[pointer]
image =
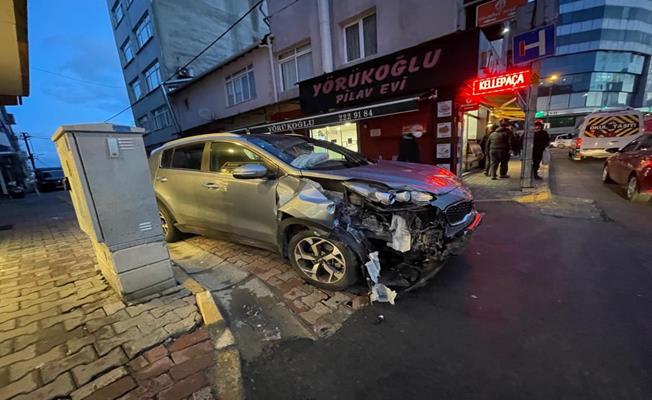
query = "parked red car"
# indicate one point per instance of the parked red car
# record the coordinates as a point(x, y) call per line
point(631, 166)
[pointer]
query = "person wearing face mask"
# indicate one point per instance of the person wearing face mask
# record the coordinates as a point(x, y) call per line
point(409, 148)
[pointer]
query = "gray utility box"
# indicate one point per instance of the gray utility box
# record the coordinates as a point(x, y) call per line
point(111, 190)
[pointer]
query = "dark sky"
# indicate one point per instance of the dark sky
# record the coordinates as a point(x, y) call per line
point(73, 41)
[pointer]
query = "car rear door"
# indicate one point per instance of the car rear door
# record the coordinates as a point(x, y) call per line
point(619, 165)
point(178, 180)
point(243, 207)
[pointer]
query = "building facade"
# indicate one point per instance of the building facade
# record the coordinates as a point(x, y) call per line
point(421, 52)
point(12, 159)
point(603, 60)
point(156, 39)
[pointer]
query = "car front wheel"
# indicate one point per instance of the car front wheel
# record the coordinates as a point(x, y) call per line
point(323, 262)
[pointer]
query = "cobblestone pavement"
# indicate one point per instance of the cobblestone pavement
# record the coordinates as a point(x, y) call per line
point(65, 333)
point(322, 311)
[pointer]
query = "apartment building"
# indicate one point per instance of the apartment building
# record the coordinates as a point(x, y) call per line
point(157, 38)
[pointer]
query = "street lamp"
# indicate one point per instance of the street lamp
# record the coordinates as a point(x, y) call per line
point(552, 78)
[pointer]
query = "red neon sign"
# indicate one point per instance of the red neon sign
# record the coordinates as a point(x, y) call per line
point(502, 83)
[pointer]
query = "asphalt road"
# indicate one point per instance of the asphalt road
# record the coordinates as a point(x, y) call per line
point(583, 179)
point(538, 307)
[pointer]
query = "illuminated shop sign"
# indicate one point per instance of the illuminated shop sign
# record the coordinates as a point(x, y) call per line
point(501, 83)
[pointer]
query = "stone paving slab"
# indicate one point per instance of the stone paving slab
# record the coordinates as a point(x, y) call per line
point(65, 333)
point(323, 312)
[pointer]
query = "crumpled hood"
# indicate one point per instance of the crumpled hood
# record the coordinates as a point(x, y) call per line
point(397, 175)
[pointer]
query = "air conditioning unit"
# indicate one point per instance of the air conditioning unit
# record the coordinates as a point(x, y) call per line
point(186, 72)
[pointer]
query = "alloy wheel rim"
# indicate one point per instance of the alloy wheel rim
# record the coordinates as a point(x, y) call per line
point(605, 173)
point(320, 260)
point(164, 223)
point(631, 188)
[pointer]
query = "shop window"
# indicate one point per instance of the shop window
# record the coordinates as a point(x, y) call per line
point(153, 76)
point(360, 38)
point(143, 30)
point(162, 118)
point(117, 12)
point(295, 66)
point(136, 89)
point(188, 157)
point(345, 135)
point(241, 86)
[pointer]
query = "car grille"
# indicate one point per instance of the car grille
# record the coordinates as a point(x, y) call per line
point(456, 213)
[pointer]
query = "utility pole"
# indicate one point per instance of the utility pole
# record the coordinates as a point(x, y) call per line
point(528, 134)
point(30, 155)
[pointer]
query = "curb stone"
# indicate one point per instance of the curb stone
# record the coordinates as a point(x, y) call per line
point(227, 381)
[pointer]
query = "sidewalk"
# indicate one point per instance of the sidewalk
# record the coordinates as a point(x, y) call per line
point(65, 333)
point(486, 189)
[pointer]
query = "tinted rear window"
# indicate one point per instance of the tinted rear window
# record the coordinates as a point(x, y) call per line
point(188, 157)
point(166, 158)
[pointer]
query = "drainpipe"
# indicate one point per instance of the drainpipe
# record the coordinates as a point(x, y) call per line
point(270, 53)
point(325, 35)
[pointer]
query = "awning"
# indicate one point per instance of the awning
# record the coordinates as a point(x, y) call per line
point(503, 105)
point(338, 117)
point(14, 67)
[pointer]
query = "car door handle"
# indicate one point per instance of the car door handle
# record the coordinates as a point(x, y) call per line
point(210, 185)
point(161, 179)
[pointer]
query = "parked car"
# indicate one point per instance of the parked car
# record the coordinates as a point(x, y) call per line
point(49, 179)
point(631, 167)
point(327, 209)
point(562, 141)
point(605, 129)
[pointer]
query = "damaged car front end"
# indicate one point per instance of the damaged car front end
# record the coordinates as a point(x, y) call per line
point(403, 234)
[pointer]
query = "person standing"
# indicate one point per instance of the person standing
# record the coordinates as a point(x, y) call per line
point(499, 145)
point(485, 149)
point(540, 144)
point(409, 148)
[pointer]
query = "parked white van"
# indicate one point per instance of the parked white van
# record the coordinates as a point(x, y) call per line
point(603, 130)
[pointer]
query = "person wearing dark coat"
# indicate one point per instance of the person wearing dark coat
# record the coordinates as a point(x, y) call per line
point(499, 145)
point(540, 143)
point(409, 148)
point(486, 161)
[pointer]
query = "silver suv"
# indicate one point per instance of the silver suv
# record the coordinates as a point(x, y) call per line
point(336, 215)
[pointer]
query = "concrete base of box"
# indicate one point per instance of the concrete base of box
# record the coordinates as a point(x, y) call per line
point(132, 276)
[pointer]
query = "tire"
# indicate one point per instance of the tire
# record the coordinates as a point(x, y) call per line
point(632, 191)
point(170, 232)
point(342, 271)
point(605, 174)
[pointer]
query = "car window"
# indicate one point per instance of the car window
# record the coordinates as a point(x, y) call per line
point(307, 153)
point(645, 143)
point(166, 158)
point(225, 156)
point(188, 157)
point(630, 146)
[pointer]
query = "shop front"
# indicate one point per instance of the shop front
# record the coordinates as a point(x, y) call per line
point(369, 106)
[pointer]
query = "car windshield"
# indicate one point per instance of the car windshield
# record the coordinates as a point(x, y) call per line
point(307, 153)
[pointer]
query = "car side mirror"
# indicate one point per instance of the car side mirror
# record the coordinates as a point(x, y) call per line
point(612, 150)
point(250, 171)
